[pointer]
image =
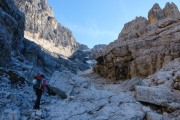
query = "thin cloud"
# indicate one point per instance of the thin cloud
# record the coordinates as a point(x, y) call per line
point(92, 30)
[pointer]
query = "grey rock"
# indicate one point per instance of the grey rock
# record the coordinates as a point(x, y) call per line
point(96, 49)
point(47, 61)
point(155, 116)
point(12, 114)
point(62, 81)
point(80, 57)
point(24, 118)
point(82, 47)
point(134, 29)
point(38, 113)
point(146, 109)
point(157, 96)
point(56, 91)
point(140, 56)
point(33, 114)
point(12, 31)
point(130, 85)
point(42, 27)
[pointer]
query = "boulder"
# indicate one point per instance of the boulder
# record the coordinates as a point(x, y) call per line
point(67, 83)
point(153, 95)
point(63, 81)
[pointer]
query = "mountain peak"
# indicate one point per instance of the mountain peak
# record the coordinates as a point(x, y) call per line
point(170, 9)
point(156, 13)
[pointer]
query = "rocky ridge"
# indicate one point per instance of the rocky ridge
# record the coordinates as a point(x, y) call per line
point(90, 97)
point(42, 28)
point(141, 51)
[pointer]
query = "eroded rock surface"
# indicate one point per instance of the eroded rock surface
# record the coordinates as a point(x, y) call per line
point(137, 53)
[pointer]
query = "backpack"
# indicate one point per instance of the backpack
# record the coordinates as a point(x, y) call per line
point(38, 82)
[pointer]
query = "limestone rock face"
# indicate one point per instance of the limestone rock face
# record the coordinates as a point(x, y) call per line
point(43, 29)
point(134, 29)
point(83, 47)
point(142, 55)
point(11, 28)
point(156, 13)
point(48, 61)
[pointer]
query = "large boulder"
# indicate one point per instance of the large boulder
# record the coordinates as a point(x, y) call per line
point(11, 30)
point(68, 82)
point(157, 96)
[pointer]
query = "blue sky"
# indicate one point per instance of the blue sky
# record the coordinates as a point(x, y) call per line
point(100, 21)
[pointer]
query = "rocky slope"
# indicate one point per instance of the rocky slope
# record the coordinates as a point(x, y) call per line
point(42, 28)
point(153, 98)
point(142, 47)
point(87, 99)
point(85, 96)
point(16, 50)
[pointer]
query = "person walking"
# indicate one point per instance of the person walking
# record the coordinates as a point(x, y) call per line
point(39, 85)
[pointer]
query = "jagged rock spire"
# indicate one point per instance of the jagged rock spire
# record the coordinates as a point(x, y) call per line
point(170, 10)
point(156, 13)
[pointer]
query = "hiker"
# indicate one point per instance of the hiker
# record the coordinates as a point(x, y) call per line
point(39, 84)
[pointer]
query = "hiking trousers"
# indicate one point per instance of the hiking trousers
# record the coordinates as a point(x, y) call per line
point(38, 99)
